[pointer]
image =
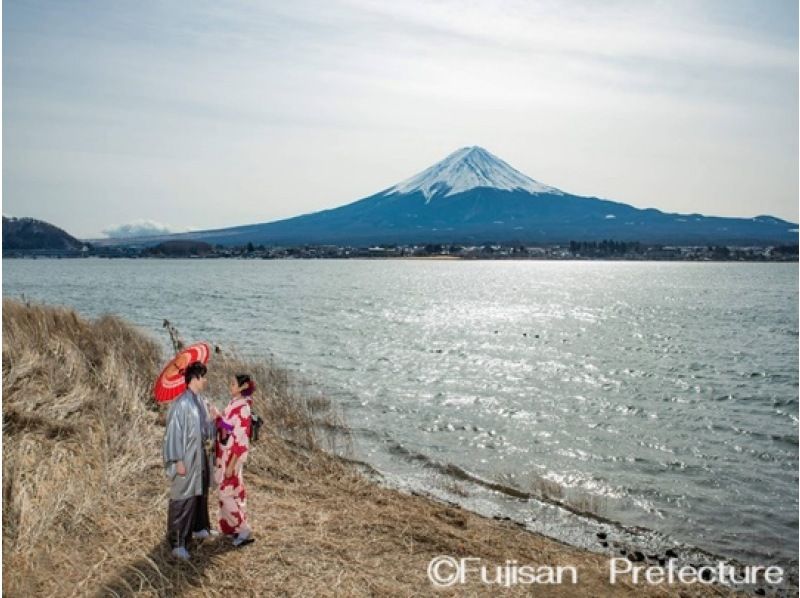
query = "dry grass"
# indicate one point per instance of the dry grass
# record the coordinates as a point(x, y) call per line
point(85, 497)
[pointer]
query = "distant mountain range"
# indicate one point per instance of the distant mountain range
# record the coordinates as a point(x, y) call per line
point(28, 234)
point(475, 197)
point(471, 197)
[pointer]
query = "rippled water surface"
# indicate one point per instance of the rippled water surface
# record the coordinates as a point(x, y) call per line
point(661, 395)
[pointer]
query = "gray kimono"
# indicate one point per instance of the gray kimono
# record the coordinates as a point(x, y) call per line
point(188, 426)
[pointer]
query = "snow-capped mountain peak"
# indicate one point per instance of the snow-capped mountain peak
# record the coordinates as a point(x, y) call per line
point(466, 169)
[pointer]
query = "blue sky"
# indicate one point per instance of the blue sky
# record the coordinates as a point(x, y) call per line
point(210, 114)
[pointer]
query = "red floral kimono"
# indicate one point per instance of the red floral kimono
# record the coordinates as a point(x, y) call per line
point(233, 438)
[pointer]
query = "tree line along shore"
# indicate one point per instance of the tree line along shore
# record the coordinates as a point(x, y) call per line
point(574, 250)
point(84, 493)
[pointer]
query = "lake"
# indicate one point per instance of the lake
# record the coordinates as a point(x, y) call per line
point(661, 397)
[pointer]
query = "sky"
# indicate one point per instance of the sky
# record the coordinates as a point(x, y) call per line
point(124, 116)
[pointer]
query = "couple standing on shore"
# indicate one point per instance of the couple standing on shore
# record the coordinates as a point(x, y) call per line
point(193, 430)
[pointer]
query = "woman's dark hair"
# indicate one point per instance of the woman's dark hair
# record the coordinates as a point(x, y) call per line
point(241, 380)
point(195, 370)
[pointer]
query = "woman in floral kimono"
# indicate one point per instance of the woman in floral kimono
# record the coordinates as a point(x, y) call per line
point(233, 443)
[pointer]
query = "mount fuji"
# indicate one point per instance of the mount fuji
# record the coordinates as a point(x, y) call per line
point(473, 197)
point(466, 169)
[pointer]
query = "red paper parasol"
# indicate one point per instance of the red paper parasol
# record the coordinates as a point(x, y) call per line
point(170, 383)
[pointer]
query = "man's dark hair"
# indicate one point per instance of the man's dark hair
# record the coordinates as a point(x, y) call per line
point(195, 370)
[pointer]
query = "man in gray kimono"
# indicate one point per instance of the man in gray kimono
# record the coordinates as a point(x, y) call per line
point(190, 429)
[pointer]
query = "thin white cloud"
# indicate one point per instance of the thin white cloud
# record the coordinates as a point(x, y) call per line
point(620, 30)
point(139, 228)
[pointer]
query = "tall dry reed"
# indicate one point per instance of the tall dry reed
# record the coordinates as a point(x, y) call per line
point(82, 438)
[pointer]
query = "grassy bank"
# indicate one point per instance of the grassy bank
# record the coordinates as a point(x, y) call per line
point(84, 494)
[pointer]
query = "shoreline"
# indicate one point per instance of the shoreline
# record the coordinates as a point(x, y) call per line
point(454, 258)
point(322, 526)
point(606, 538)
